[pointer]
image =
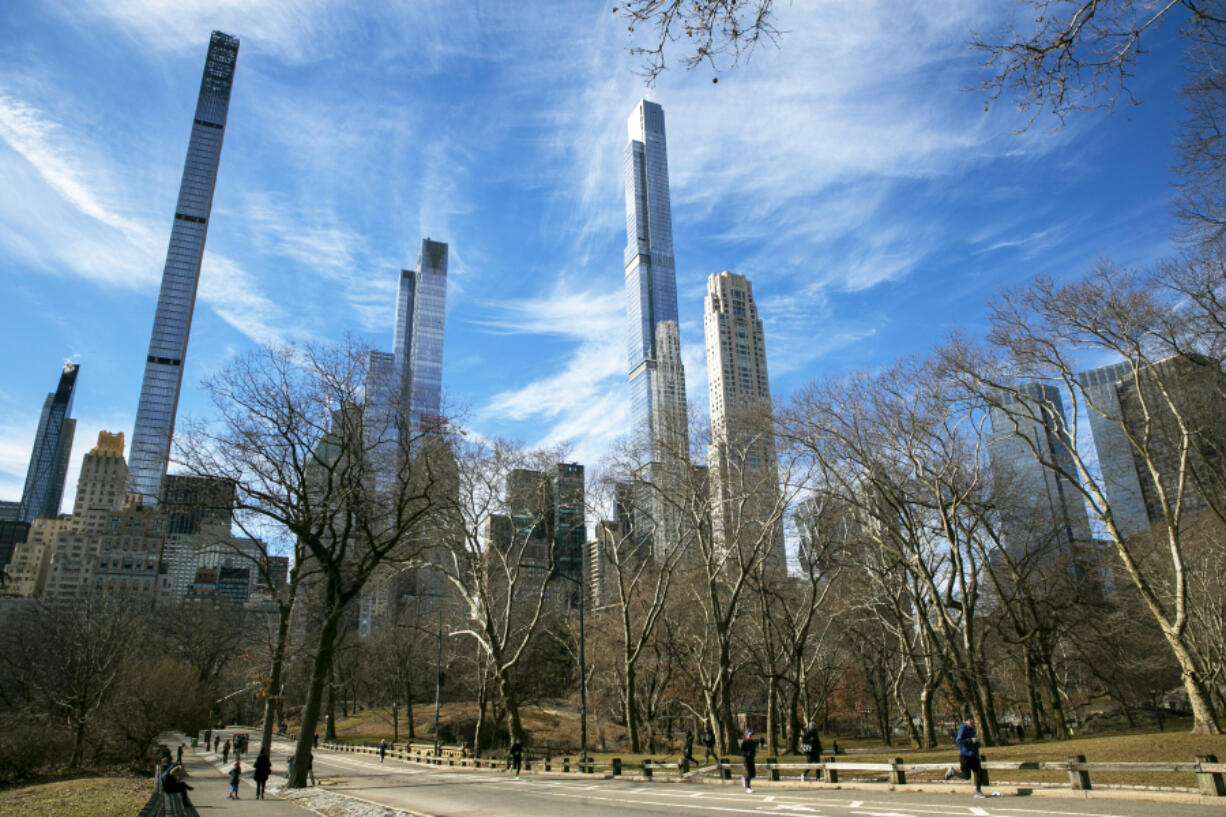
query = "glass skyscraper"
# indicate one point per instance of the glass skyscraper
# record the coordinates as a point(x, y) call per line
point(421, 311)
point(657, 377)
point(44, 488)
point(1046, 510)
point(159, 393)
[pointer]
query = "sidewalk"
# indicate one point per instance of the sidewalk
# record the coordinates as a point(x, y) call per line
point(210, 786)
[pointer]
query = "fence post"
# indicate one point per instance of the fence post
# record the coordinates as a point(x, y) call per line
point(548, 763)
point(683, 766)
point(774, 769)
point(647, 768)
point(566, 765)
point(725, 770)
point(897, 775)
point(617, 767)
point(832, 775)
point(1080, 780)
point(1209, 783)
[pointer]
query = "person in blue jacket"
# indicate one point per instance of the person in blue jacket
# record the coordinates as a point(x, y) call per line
point(968, 755)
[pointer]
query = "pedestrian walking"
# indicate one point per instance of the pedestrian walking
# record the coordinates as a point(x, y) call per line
point(968, 755)
point(216, 742)
point(173, 783)
point(749, 749)
point(811, 745)
point(708, 745)
point(688, 752)
point(316, 740)
point(517, 756)
point(382, 749)
point(236, 772)
point(225, 753)
point(179, 755)
point(263, 768)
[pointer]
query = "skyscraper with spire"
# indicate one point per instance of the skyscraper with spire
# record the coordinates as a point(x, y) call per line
point(657, 376)
point(172, 322)
point(44, 488)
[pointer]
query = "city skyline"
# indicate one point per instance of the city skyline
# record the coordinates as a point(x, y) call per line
point(868, 226)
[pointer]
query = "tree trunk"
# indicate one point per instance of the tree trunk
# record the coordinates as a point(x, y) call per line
point(410, 728)
point(395, 722)
point(330, 719)
point(78, 745)
point(772, 741)
point(1032, 694)
point(314, 701)
point(482, 700)
point(515, 729)
point(930, 735)
point(630, 708)
point(272, 702)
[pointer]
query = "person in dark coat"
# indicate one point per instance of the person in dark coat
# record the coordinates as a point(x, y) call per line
point(172, 783)
point(225, 753)
point(968, 755)
point(688, 751)
point(811, 745)
point(382, 749)
point(236, 773)
point(708, 745)
point(517, 756)
point(263, 768)
point(749, 749)
point(179, 754)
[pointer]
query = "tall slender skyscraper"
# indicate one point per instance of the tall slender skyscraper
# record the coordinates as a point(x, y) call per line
point(421, 310)
point(657, 377)
point(44, 487)
point(172, 323)
point(744, 464)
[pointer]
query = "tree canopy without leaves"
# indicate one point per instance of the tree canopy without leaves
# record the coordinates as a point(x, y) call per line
point(718, 33)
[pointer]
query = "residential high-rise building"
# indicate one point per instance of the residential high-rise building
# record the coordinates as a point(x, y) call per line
point(421, 311)
point(1041, 508)
point(747, 508)
point(657, 377)
point(44, 489)
point(172, 322)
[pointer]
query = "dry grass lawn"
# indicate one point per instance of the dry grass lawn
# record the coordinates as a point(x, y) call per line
point(117, 796)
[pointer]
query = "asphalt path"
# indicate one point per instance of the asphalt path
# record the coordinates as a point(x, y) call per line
point(452, 792)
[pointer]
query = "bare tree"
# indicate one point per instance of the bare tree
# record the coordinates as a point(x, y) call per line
point(1042, 331)
point(499, 558)
point(70, 660)
point(341, 474)
point(714, 31)
point(1071, 55)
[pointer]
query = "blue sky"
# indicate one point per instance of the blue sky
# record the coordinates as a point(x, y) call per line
point(872, 201)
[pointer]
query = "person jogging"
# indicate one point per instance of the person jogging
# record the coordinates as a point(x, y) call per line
point(968, 755)
point(811, 745)
point(749, 750)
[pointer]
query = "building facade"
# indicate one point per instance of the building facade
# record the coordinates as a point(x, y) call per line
point(1121, 481)
point(746, 501)
point(44, 487)
point(1041, 508)
point(657, 376)
point(421, 311)
point(159, 395)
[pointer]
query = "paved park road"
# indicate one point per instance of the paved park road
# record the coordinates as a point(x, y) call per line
point(466, 793)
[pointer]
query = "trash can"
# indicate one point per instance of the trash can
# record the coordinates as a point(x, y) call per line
point(194, 742)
